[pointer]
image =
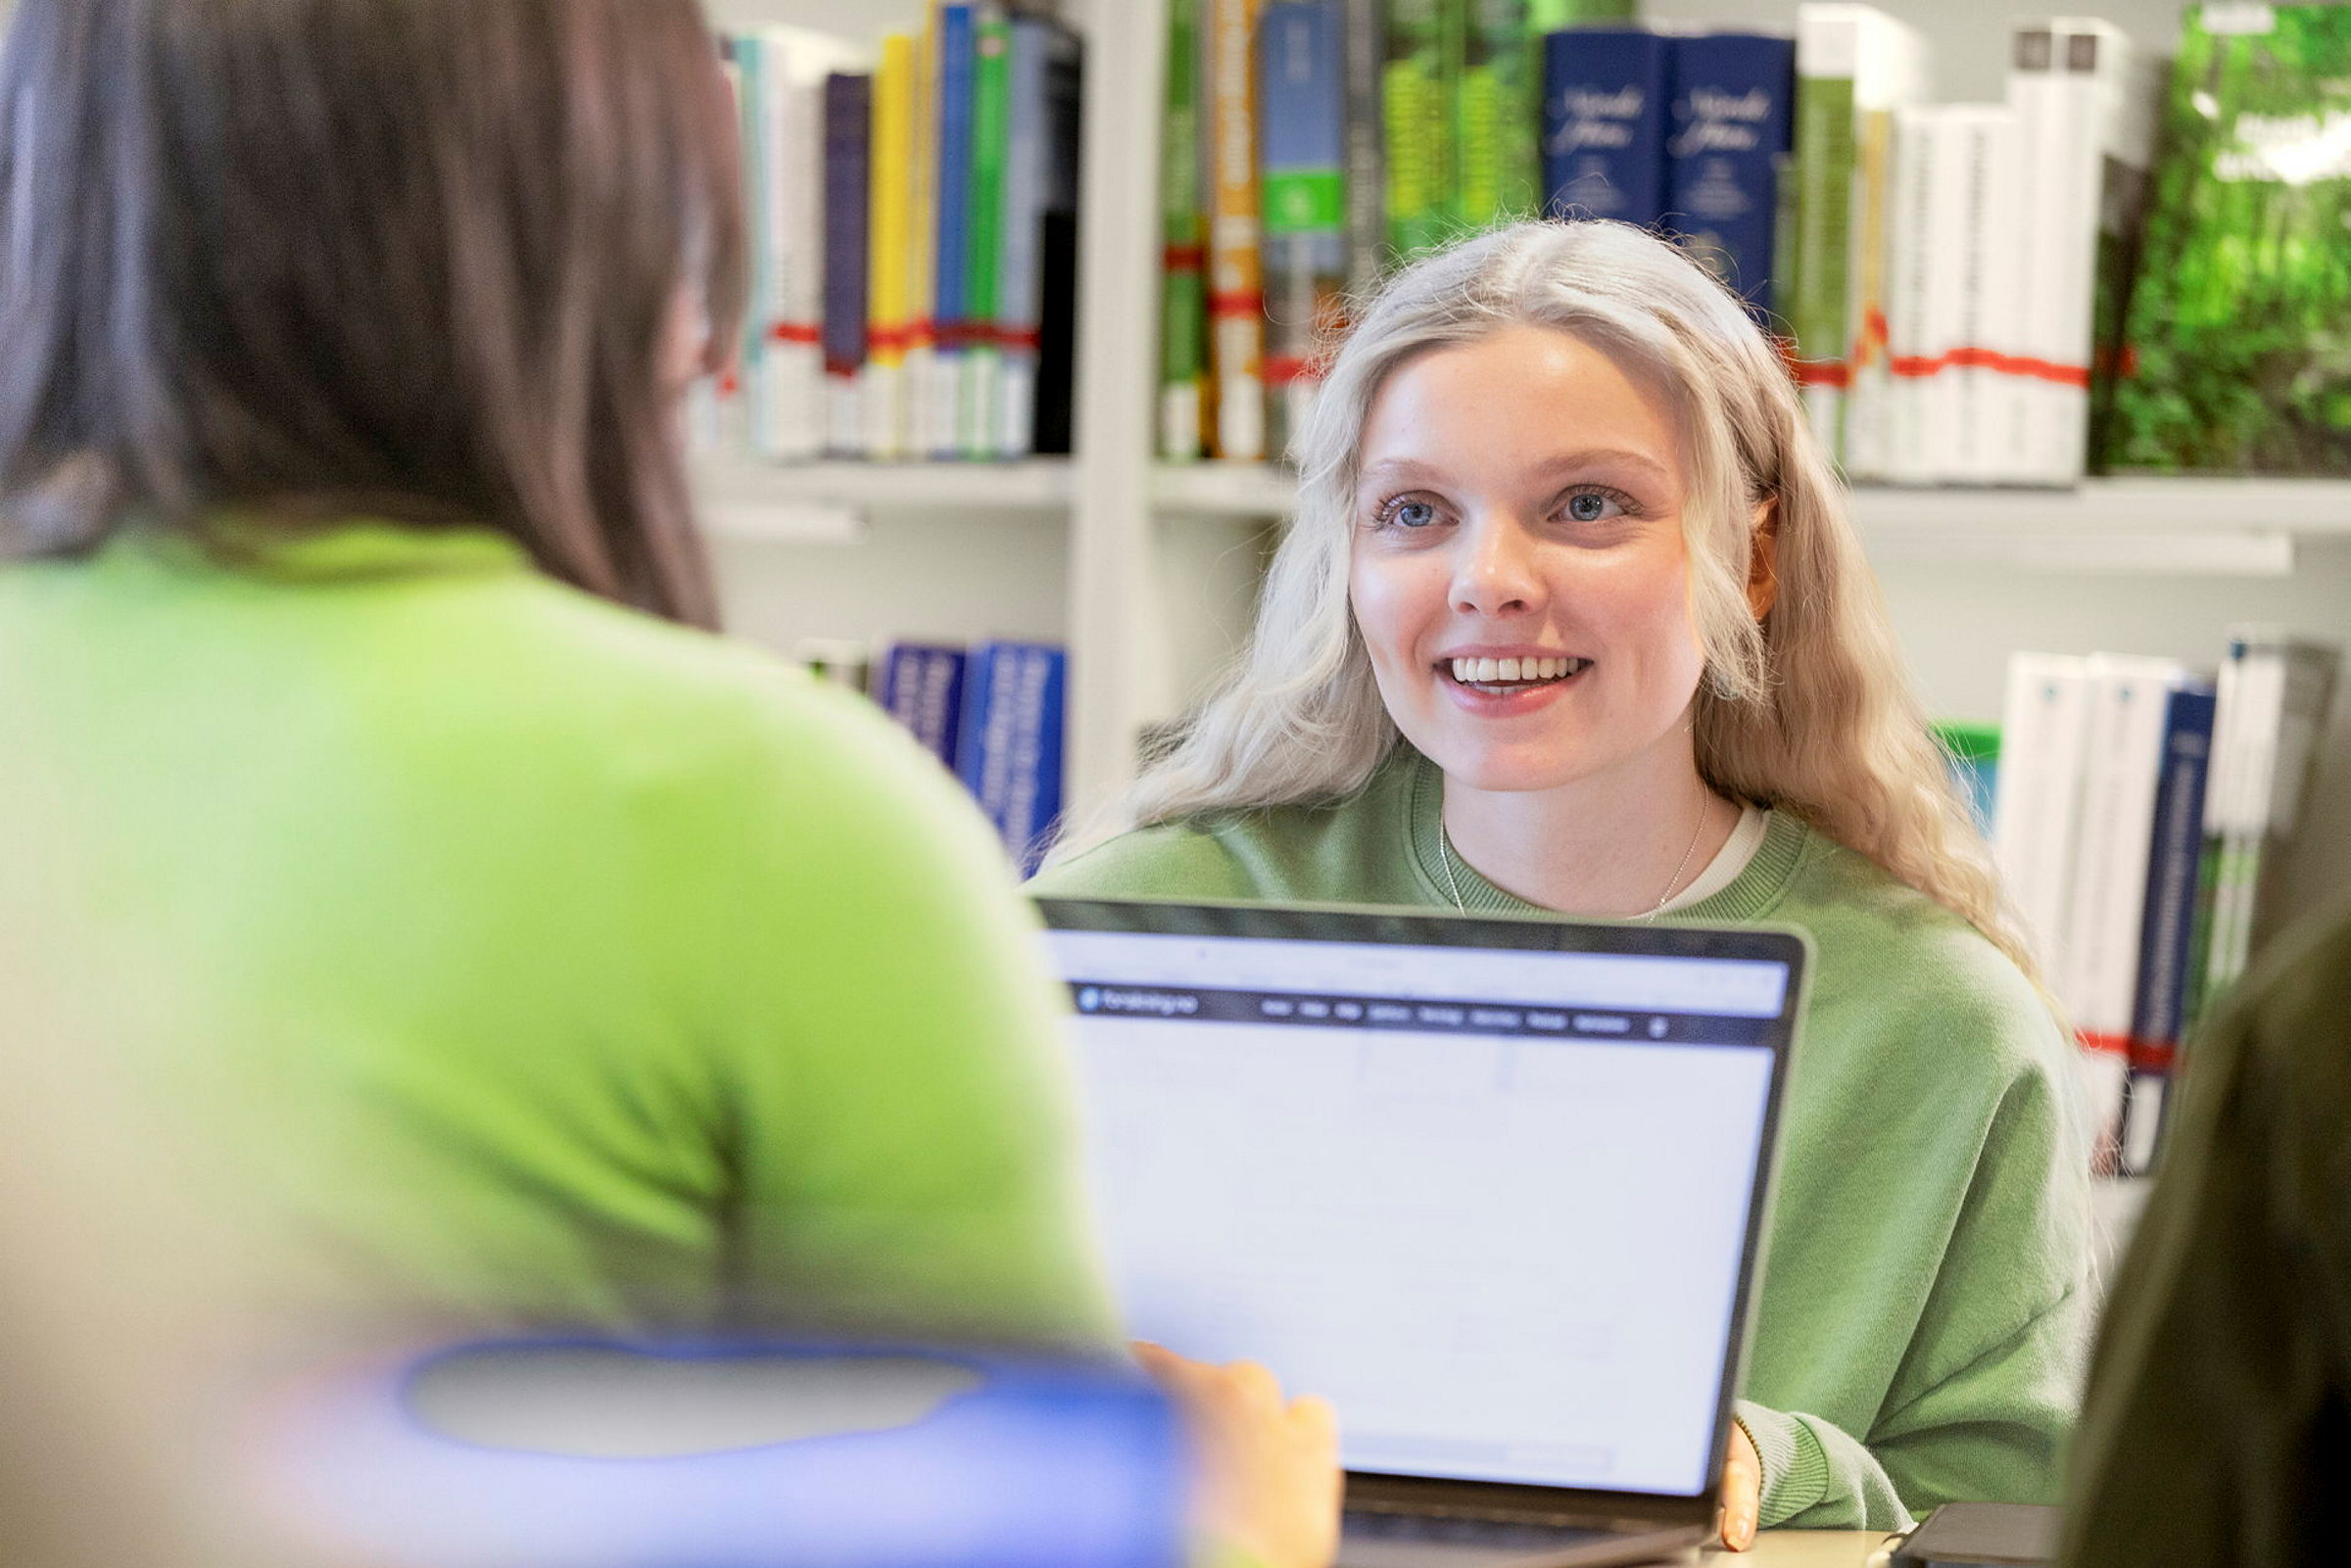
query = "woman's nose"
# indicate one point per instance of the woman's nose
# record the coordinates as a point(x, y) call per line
point(1495, 569)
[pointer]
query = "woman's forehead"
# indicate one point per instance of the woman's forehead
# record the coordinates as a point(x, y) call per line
point(1528, 397)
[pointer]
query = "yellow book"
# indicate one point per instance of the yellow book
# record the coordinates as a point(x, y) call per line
point(921, 224)
point(888, 416)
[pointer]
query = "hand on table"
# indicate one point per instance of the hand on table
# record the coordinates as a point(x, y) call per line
point(1742, 1491)
point(1270, 1479)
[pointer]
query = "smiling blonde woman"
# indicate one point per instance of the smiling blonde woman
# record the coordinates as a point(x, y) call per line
point(1571, 620)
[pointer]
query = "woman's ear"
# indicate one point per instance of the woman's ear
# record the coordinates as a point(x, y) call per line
point(1763, 559)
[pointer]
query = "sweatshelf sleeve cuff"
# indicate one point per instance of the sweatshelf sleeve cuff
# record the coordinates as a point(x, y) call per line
point(1816, 1474)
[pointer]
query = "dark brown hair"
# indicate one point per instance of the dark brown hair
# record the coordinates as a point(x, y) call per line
point(415, 258)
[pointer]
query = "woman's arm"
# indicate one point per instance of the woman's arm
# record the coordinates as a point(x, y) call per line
point(1984, 1395)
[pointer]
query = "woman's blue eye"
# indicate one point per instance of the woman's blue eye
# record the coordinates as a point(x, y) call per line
point(1589, 507)
point(1411, 513)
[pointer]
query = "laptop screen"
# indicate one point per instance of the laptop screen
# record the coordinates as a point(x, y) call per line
point(1494, 1205)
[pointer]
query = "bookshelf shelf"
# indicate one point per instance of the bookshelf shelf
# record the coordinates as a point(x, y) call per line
point(2191, 526)
point(825, 503)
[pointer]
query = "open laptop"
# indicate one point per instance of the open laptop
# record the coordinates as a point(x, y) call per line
point(1494, 1187)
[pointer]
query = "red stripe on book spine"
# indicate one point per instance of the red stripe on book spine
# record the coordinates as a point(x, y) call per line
point(795, 332)
point(1246, 303)
point(1184, 257)
point(1822, 373)
point(2103, 1043)
point(1281, 369)
point(1918, 366)
point(2154, 1055)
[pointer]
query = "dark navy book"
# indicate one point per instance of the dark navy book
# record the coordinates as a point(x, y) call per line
point(2172, 875)
point(1605, 94)
point(1732, 112)
point(1010, 751)
point(922, 687)
point(848, 182)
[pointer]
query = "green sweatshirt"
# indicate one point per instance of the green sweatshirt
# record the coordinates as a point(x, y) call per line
point(2215, 1428)
point(535, 960)
point(1925, 1296)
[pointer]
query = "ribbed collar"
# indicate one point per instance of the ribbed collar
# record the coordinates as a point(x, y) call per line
point(1752, 896)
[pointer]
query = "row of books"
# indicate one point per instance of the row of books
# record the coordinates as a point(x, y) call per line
point(2141, 812)
point(1954, 270)
point(1308, 144)
point(913, 225)
point(992, 713)
point(1961, 287)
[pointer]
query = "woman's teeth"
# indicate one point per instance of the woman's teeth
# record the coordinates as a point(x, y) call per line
point(1514, 672)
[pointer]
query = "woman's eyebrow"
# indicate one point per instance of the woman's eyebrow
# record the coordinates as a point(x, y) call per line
point(1413, 470)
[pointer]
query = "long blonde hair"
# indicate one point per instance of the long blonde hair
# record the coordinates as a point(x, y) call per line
point(1808, 711)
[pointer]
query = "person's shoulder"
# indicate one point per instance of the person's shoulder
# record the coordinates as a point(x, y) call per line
point(671, 717)
point(1931, 986)
point(1354, 850)
point(1184, 859)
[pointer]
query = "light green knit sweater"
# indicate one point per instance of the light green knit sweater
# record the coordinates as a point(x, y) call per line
point(1922, 1322)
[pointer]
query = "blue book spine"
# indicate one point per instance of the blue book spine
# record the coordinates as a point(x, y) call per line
point(922, 688)
point(2173, 868)
point(1301, 109)
point(1010, 753)
point(1302, 164)
point(950, 261)
point(1734, 97)
point(1605, 93)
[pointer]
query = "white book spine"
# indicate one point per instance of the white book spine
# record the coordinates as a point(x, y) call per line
point(1983, 336)
point(2043, 728)
point(1906, 296)
point(2129, 704)
point(2048, 117)
point(1951, 149)
point(844, 417)
point(2097, 65)
point(882, 398)
point(794, 423)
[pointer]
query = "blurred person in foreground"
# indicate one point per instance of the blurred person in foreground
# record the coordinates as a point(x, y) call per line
point(2219, 1416)
point(514, 954)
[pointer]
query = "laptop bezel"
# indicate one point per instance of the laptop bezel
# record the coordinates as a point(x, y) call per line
point(1383, 1492)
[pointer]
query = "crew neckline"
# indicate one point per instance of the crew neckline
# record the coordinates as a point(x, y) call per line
point(1749, 895)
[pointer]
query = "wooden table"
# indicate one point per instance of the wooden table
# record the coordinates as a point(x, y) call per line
point(1801, 1549)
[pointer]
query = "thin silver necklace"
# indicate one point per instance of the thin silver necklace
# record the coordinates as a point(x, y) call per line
point(1445, 863)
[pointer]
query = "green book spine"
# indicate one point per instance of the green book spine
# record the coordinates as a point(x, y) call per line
point(2234, 359)
point(991, 134)
point(1184, 246)
point(1549, 16)
point(1816, 249)
point(1423, 38)
point(1497, 115)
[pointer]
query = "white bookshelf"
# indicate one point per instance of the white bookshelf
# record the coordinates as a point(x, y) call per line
point(1147, 570)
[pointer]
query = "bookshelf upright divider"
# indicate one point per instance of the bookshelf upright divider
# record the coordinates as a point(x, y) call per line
point(1119, 669)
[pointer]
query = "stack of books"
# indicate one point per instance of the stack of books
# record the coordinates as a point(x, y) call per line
point(992, 714)
point(2140, 815)
point(914, 223)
